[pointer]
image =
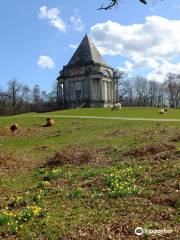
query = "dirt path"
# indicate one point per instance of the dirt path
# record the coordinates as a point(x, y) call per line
point(109, 118)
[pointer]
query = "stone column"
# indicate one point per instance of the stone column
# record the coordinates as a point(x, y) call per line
point(59, 91)
point(109, 92)
point(112, 92)
point(106, 90)
point(90, 90)
point(107, 86)
point(100, 90)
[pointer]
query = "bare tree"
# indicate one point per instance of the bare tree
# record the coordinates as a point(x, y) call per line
point(36, 94)
point(172, 84)
point(153, 93)
point(14, 93)
point(44, 96)
point(26, 94)
point(52, 96)
point(4, 97)
point(141, 90)
point(126, 91)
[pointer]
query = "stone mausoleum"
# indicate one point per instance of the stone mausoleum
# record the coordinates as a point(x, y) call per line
point(87, 81)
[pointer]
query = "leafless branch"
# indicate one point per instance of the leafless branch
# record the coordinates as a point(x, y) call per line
point(114, 3)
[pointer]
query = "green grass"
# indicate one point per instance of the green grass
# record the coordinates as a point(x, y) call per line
point(110, 195)
point(124, 112)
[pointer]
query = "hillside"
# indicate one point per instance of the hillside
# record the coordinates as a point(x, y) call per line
point(89, 178)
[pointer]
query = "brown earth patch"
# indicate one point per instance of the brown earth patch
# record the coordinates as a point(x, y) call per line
point(154, 151)
point(112, 230)
point(106, 231)
point(78, 155)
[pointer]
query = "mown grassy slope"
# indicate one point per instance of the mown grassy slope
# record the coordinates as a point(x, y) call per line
point(138, 112)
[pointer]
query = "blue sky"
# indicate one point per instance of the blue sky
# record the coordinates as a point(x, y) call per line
point(38, 37)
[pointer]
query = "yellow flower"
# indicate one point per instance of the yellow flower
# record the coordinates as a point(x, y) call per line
point(36, 210)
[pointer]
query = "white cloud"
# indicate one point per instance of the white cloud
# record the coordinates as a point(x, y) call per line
point(45, 62)
point(76, 21)
point(128, 67)
point(52, 15)
point(159, 74)
point(73, 46)
point(153, 44)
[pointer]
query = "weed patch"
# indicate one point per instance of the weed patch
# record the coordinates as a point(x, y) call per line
point(155, 151)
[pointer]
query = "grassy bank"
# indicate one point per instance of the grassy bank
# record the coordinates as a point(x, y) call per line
point(89, 178)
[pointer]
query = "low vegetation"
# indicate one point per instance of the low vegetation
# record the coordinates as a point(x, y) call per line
point(88, 178)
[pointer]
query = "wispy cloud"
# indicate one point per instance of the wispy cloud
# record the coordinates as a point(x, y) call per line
point(45, 62)
point(53, 17)
point(73, 46)
point(76, 21)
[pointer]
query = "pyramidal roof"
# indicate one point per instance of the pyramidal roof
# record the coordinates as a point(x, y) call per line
point(86, 53)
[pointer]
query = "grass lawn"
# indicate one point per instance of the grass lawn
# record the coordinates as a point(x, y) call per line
point(89, 178)
point(124, 112)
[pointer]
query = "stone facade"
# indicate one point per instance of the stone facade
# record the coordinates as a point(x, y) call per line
point(87, 80)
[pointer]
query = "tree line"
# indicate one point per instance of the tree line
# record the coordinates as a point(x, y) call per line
point(21, 98)
point(137, 91)
point(140, 91)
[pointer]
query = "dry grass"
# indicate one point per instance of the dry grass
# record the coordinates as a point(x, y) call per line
point(112, 230)
point(9, 161)
point(5, 132)
point(158, 134)
point(153, 151)
point(78, 155)
point(117, 132)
